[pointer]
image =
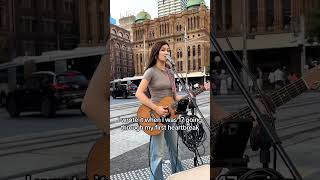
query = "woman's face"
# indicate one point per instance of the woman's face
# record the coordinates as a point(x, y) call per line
point(164, 51)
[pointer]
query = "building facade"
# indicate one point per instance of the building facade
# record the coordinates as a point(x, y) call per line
point(30, 27)
point(167, 7)
point(93, 18)
point(121, 58)
point(276, 31)
point(192, 25)
point(126, 23)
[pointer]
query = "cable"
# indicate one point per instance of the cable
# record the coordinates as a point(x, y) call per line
point(192, 138)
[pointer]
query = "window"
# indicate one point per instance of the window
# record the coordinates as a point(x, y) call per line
point(113, 31)
point(286, 14)
point(25, 3)
point(193, 50)
point(270, 14)
point(253, 14)
point(228, 14)
point(2, 17)
point(198, 22)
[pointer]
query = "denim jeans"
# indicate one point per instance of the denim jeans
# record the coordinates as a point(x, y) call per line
point(157, 153)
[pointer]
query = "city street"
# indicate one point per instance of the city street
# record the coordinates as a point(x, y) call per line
point(298, 125)
point(45, 147)
point(59, 147)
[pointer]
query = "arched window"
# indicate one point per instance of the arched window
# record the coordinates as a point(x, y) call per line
point(199, 50)
point(193, 50)
point(188, 51)
point(198, 22)
point(113, 31)
point(120, 34)
point(286, 14)
point(136, 65)
point(127, 36)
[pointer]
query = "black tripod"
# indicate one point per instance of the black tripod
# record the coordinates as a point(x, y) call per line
point(191, 138)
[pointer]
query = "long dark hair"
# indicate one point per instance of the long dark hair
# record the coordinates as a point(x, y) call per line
point(154, 53)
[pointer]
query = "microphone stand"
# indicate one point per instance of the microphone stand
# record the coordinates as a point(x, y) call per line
point(191, 98)
point(270, 133)
point(193, 105)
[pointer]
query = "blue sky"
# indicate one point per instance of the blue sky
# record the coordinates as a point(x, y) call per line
point(133, 7)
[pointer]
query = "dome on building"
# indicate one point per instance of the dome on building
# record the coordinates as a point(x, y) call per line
point(142, 16)
point(194, 3)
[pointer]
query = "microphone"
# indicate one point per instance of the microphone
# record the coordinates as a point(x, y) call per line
point(171, 61)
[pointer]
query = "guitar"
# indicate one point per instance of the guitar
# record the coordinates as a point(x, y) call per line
point(277, 98)
point(98, 162)
point(151, 122)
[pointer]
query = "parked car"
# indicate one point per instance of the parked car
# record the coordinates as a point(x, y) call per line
point(48, 92)
point(123, 90)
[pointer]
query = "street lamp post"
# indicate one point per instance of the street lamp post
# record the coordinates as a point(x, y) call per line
point(185, 46)
point(204, 74)
point(302, 38)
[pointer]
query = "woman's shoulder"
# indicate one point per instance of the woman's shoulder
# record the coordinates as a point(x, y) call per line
point(149, 70)
point(148, 74)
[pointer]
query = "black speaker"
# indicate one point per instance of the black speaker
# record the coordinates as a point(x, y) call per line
point(231, 139)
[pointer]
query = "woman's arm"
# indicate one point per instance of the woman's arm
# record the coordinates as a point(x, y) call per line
point(141, 95)
point(177, 96)
point(96, 101)
point(146, 101)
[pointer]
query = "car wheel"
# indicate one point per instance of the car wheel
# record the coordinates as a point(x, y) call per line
point(3, 99)
point(114, 95)
point(12, 108)
point(124, 95)
point(47, 107)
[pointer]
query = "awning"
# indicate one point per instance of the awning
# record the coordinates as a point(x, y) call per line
point(132, 78)
point(193, 74)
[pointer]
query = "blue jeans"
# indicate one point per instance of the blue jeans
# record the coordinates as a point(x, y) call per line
point(157, 153)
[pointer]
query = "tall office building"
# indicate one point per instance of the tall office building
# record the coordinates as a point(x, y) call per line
point(166, 7)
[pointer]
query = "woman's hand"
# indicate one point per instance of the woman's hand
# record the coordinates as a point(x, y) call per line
point(162, 111)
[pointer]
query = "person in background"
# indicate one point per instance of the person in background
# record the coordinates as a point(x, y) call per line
point(271, 79)
point(292, 77)
point(278, 76)
point(223, 82)
point(259, 78)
